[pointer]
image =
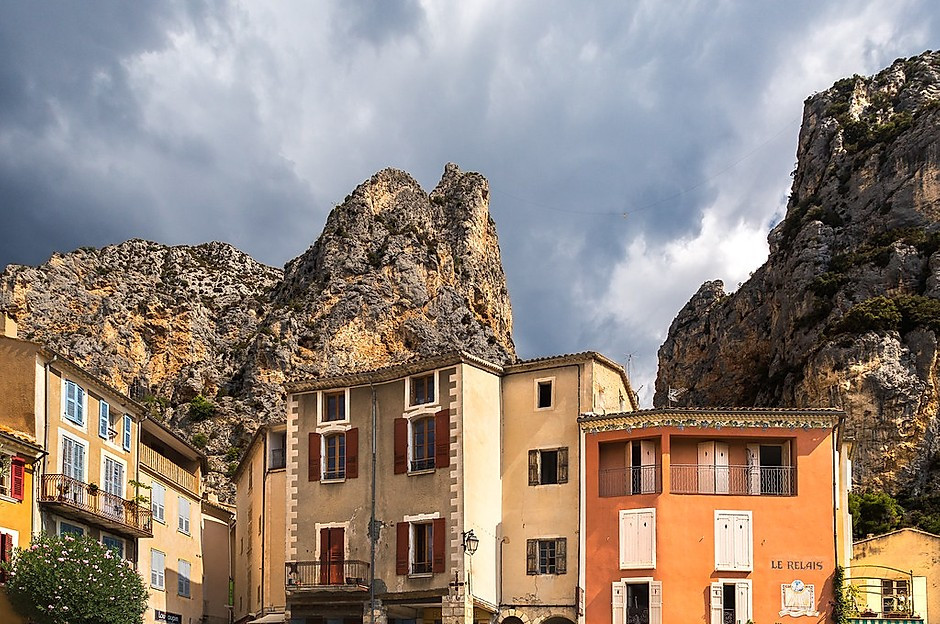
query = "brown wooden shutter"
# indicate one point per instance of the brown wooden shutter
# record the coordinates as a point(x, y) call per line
point(17, 468)
point(563, 465)
point(561, 555)
point(324, 546)
point(401, 446)
point(531, 556)
point(352, 453)
point(438, 547)
point(401, 548)
point(442, 439)
point(533, 467)
point(313, 457)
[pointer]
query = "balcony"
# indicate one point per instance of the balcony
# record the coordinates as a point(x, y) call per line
point(631, 480)
point(80, 500)
point(732, 480)
point(166, 468)
point(344, 576)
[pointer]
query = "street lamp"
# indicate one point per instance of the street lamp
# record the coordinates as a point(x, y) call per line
point(470, 542)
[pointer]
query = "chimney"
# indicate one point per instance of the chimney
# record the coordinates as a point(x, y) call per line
point(8, 325)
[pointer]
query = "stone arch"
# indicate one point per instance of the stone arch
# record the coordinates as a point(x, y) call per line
point(511, 616)
point(554, 619)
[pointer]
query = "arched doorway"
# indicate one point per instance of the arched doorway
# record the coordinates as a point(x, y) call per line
point(512, 620)
point(558, 620)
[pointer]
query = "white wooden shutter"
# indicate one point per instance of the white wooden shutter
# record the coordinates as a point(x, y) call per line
point(647, 463)
point(656, 602)
point(724, 541)
point(742, 602)
point(646, 539)
point(68, 452)
point(158, 501)
point(706, 467)
point(617, 590)
point(629, 537)
point(721, 467)
point(716, 603)
point(741, 527)
point(753, 468)
point(113, 477)
point(183, 515)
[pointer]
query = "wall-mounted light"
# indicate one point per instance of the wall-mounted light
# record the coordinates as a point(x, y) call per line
point(470, 542)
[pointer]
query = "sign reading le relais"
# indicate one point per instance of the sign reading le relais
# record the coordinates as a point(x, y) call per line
point(794, 564)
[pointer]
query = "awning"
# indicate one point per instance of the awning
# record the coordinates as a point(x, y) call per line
point(271, 618)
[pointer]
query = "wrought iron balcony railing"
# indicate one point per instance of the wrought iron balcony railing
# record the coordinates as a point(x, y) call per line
point(732, 480)
point(345, 574)
point(631, 480)
point(90, 502)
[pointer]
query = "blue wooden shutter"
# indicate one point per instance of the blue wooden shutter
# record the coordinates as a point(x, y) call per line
point(127, 432)
point(104, 419)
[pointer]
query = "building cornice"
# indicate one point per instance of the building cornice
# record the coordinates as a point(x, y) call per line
point(713, 418)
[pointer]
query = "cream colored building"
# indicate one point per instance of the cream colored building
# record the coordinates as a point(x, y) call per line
point(898, 572)
point(260, 528)
point(217, 559)
point(171, 562)
point(475, 489)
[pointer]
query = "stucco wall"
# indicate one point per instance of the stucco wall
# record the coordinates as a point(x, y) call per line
point(907, 549)
point(248, 540)
point(18, 385)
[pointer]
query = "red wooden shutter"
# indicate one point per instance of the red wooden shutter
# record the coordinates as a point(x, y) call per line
point(313, 457)
point(352, 453)
point(324, 546)
point(401, 446)
point(401, 548)
point(437, 549)
point(442, 439)
point(17, 467)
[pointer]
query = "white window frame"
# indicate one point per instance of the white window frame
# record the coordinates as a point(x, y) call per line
point(82, 404)
point(431, 416)
point(619, 592)
point(328, 433)
point(59, 522)
point(412, 521)
point(625, 564)
point(75, 440)
point(535, 401)
point(154, 505)
point(184, 580)
point(157, 575)
point(437, 392)
point(742, 613)
point(321, 408)
point(6, 478)
point(734, 565)
point(332, 525)
point(184, 521)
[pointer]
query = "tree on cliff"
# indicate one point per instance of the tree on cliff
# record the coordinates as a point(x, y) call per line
point(74, 580)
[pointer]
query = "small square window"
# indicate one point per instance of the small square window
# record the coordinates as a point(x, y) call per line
point(548, 466)
point(334, 404)
point(544, 394)
point(546, 556)
point(422, 389)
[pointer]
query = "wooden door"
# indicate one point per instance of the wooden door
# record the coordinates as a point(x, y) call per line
point(332, 546)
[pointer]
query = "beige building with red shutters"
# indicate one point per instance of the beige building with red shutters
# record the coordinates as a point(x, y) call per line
point(472, 470)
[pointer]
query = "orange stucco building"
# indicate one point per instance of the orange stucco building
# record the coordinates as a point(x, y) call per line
point(712, 515)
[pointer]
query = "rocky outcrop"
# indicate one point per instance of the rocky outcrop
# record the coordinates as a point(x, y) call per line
point(845, 311)
point(397, 273)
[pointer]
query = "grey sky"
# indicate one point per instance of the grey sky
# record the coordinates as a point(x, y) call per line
point(634, 149)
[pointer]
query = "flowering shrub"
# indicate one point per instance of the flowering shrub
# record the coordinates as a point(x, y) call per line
point(74, 580)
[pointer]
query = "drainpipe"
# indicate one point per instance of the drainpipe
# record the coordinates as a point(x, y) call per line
point(264, 493)
point(372, 536)
point(837, 468)
point(45, 427)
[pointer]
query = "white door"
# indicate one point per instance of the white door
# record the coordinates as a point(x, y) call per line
point(721, 468)
point(647, 466)
point(113, 485)
point(753, 469)
point(706, 467)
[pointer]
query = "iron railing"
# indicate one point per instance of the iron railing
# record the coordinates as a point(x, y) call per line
point(631, 480)
point(422, 464)
point(61, 489)
point(318, 574)
point(732, 480)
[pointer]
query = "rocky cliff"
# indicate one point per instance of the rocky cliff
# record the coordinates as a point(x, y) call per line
point(846, 310)
point(396, 273)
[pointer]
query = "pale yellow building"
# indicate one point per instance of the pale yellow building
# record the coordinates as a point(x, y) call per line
point(475, 489)
point(260, 528)
point(217, 559)
point(898, 573)
point(171, 562)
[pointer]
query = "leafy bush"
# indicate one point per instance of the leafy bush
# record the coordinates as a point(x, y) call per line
point(874, 513)
point(201, 408)
point(200, 440)
point(875, 314)
point(74, 580)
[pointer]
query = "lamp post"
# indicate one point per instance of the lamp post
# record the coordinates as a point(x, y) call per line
point(469, 542)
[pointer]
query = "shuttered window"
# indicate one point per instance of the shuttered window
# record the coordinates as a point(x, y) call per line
point(183, 524)
point(637, 539)
point(733, 540)
point(313, 457)
point(730, 601)
point(17, 476)
point(74, 402)
point(548, 466)
point(6, 553)
point(157, 569)
point(420, 547)
point(547, 556)
point(104, 419)
point(157, 502)
point(127, 432)
point(637, 602)
point(185, 570)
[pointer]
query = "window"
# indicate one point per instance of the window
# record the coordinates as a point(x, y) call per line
point(334, 406)
point(422, 444)
point(335, 457)
point(70, 529)
point(157, 569)
point(420, 546)
point(546, 556)
point(113, 481)
point(548, 466)
point(7, 544)
point(544, 393)
point(12, 471)
point(73, 470)
point(127, 432)
point(182, 586)
point(637, 538)
point(895, 596)
point(769, 469)
point(157, 502)
point(730, 601)
point(183, 524)
point(422, 389)
point(74, 402)
point(733, 540)
point(634, 601)
point(104, 420)
point(114, 544)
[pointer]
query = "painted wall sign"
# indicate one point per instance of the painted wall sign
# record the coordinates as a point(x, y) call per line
point(793, 564)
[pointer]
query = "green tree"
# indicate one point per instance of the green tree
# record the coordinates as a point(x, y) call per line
point(874, 513)
point(74, 580)
point(201, 408)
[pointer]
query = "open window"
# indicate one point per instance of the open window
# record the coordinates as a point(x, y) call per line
point(547, 556)
point(548, 466)
point(333, 456)
point(545, 393)
point(730, 601)
point(420, 546)
point(637, 600)
point(770, 469)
